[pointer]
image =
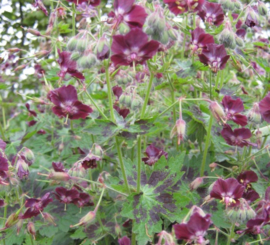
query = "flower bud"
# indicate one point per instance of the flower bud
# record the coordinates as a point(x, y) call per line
point(262, 9)
point(254, 114)
point(240, 213)
point(217, 111)
point(59, 176)
point(179, 129)
point(20, 67)
point(77, 170)
point(259, 138)
point(227, 37)
point(97, 150)
point(72, 44)
point(123, 28)
point(19, 226)
point(239, 41)
point(22, 168)
point(42, 53)
point(49, 218)
point(33, 32)
point(136, 103)
point(29, 156)
point(11, 220)
point(86, 62)
point(117, 229)
point(196, 183)
point(82, 44)
point(31, 229)
point(213, 166)
point(102, 49)
point(165, 238)
point(125, 99)
point(87, 219)
point(13, 50)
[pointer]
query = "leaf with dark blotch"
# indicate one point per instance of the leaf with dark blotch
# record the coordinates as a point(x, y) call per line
point(156, 199)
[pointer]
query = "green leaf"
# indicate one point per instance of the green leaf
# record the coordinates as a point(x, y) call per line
point(48, 231)
point(157, 198)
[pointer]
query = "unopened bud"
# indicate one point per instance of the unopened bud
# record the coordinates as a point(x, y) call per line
point(49, 218)
point(102, 49)
point(239, 41)
point(217, 111)
point(22, 168)
point(34, 32)
point(82, 44)
point(165, 238)
point(29, 156)
point(97, 150)
point(213, 166)
point(259, 138)
point(87, 219)
point(254, 114)
point(72, 44)
point(136, 103)
point(61, 146)
point(196, 183)
point(179, 129)
point(123, 28)
point(86, 62)
point(42, 53)
point(13, 50)
point(59, 176)
point(75, 55)
point(262, 9)
point(117, 229)
point(31, 229)
point(11, 221)
point(125, 99)
point(227, 37)
point(20, 67)
point(19, 226)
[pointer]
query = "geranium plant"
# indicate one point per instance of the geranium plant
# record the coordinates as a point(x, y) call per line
point(134, 122)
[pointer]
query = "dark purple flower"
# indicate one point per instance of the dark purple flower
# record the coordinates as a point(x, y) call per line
point(251, 195)
point(117, 91)
point(228, 191)
point(214, 56)
point(94, 3)
point(66, 196)
point(232, 108)
point(195, 229)
point(58, 167)
point(83, 200)
point(264, 106)
point(133, 47)
point(254, 226)
point(67, 65)
point(90, 161)
point(200, 39)
point(128, 12)
point(153, 154)
point(35, 206)
point(124, 241)
point(66, 103)
point(237, 137)
point(241, 32)
point(31, 123)
point(2, 145)
point(122, 112)
point(2, 203)
point(182, 6)
point(212, 13)
point(3, 164)
point(31, 112)
point(257, 68)
point(247, 177)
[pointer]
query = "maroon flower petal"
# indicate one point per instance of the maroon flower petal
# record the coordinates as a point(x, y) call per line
point(136, 17)
point(58, 167)
point(3, 164)
point(231, 105)
point(63, 94)
point(124, 241)
point(123, 6)
point(136, 38)
point(2, 145)
point(181, 232)
point(240, 119)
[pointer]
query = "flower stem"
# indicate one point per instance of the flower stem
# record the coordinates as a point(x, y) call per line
point(231, 234)
point(121, 163)
point(210, 81)
point(206, 146)
point(139, 163)
point(96, 106)
point(148, 91)
point(73, 19)
point(109, 92)
point(99, 201)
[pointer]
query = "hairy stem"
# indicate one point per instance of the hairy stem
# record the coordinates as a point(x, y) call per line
point(139, 163)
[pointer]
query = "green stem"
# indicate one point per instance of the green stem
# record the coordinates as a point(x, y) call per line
point(133, 237)
point(73, 19)
point(148, 91)
point(2, 132)
point(96, 106)
point(170, 107)
point(109, 92)
point(210, 81)
point(100, 198)
point(208, 137)
point(231, 234)
point(139, 163)
point(122, 163)
point(222, 79)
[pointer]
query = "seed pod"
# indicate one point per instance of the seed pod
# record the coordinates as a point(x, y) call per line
point(227, 38)
point(87, 62)
point(262, 9)
point(125, 100)
point(75, 55)
point(72, 44)
point(31, 229)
